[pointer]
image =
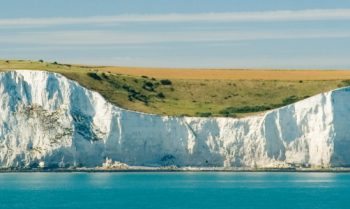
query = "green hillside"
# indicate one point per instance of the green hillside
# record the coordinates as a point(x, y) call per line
point(192, 97)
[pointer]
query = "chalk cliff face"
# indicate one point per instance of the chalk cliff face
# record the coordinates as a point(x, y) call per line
point(45, 117)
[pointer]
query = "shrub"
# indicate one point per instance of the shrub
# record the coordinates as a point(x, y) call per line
point(245, 109)
point(166, 82)
point(94, 76)
point(148, 86)
point(161, 95)
point(41, 61)
point(231, 111)
point(346, 83)
point(229, 114)
point(141, 98)
point(105, 76)
point(135, 95)
point(290, 100)
point(129, 89)
point(204, 114)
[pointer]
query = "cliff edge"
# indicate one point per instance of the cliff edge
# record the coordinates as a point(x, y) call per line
point(48, 119)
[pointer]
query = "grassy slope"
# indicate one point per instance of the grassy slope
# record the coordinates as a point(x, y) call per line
point(232, 96)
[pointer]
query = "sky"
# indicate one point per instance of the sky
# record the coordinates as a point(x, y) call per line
point(290, 34)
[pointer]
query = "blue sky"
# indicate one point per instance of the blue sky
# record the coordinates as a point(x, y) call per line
point(179, 33)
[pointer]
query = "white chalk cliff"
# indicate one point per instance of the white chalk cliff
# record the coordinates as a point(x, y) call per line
point(45, 117)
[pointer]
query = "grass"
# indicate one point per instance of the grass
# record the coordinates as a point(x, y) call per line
point(161, 92)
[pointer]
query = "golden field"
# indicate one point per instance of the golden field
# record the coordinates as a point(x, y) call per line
point(231, 74)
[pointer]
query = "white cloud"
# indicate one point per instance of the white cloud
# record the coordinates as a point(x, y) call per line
point(114, 37)
point(296, 15)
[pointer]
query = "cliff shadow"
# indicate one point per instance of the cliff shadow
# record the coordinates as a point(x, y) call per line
point(341, 124)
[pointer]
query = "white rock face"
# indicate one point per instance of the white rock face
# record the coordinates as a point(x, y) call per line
point(48, 119)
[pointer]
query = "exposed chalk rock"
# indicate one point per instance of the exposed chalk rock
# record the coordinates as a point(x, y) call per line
point(46, 119)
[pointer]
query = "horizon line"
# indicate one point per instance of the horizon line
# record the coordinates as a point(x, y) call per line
point(79, 64)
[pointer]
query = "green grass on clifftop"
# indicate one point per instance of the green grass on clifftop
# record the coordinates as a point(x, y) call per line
point(192, 97)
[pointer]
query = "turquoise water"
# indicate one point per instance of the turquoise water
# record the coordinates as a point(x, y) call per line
point(174, 190)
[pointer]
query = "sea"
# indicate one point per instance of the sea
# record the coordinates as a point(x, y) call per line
point(175, 190)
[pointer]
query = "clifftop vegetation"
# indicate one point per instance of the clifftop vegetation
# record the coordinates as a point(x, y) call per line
point(205, 96)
